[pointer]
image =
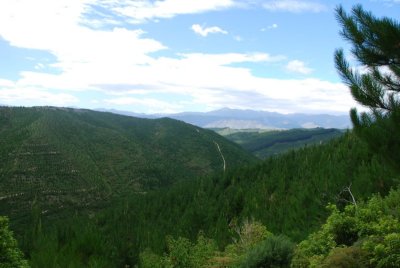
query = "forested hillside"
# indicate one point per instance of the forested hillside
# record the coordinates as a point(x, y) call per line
point(89, 189)
point(264, 143)
point(78, 158)
point(287, 194)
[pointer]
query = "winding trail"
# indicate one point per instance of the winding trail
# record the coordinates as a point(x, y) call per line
point(222, 156)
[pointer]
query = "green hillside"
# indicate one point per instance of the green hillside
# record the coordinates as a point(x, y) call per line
point(183, 197)
point(78, 158)
point(58, 159)
point(263, 143)
point(287, 194)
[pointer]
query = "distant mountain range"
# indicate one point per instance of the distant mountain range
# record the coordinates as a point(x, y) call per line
point(245, 119)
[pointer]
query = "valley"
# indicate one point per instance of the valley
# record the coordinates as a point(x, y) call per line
point(117, 187)
point(266, 143)
point(299, 183)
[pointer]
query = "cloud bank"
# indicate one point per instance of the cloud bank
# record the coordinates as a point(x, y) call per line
point(117, 65)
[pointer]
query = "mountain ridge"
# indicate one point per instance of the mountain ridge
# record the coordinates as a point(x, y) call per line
point(77, 157)
point(242, 119)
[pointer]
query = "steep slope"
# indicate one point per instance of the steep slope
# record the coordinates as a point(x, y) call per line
point(75, 157)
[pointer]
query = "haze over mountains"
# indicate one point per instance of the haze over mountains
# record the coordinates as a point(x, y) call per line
point(245, 119)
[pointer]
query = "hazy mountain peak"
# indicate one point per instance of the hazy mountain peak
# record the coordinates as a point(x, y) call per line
point(242, 119)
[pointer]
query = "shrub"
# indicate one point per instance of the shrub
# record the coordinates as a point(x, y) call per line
point(10, 255)
point(347, 257)
point(274, 251)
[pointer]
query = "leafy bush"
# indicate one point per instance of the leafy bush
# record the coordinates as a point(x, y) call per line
point(385, 251)
point(10, 255)
point(369, 237)
point(274, 251)
point(347, 257)
point(181, 253)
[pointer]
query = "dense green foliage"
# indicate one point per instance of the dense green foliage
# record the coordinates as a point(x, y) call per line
point(74, 158)
point(270, 143)
point(288, 194)
point(255, 246)
point(182, 253)
point(375, 45)
point(10, 254)
point(273, 252)
point(367, 235)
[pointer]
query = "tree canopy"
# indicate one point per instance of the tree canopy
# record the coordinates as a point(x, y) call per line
point(376, 83)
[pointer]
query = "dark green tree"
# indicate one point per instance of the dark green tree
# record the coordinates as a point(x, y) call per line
point(376, 47)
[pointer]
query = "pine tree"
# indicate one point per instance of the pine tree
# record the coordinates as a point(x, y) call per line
point(376, 46)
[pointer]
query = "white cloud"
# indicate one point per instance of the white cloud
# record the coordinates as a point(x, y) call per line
point(28, 96)
point(83, 55)
point(294, 6)
point(32, 23)
point(6, 83)
point(140, 11)
point(311, 95)
point(198, 29)
point(273, 26)
point(202, 80)
point(235, 87)
point(388, 2)
point(39, 66)
point(119, 63)
point(297, 66)
point(57, 29)
point(270, 27)
point(152, 105)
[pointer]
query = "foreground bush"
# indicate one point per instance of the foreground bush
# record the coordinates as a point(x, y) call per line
point(274, 251)
point(10, 255)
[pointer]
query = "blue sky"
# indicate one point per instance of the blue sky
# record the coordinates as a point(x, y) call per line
point(176, 55)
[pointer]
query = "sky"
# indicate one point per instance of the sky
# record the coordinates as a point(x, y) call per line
point(170, 56)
